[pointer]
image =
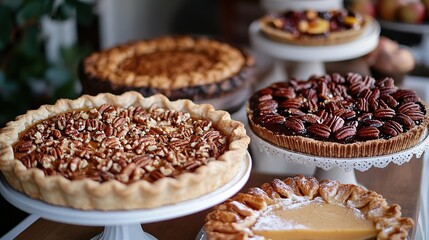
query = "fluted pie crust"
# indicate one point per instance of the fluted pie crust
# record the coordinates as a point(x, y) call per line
point(235, 218)
point(89, 194)
point(368, 148)
point(301, 128)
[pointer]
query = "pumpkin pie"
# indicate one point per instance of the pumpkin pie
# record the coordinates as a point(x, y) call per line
point(180, 67)
point(339, 116)
point(111, 152)
point(310, 27)
point(303, 208)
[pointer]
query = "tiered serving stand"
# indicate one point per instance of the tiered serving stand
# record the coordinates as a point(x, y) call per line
point(125, 225)
point(307, 61)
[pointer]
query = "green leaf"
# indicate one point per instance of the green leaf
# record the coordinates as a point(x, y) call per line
point(84, 12)
point(57, 76)
point(30, 44)
point(31, 11)
point(2, 78)
point(6, 29)
point(63, 12)
point(48, 6)
point(13, 4)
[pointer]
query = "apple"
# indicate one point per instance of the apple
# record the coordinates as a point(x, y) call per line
point(426, 3)
point(366, 7)
point(388, 9)
point(412, 12)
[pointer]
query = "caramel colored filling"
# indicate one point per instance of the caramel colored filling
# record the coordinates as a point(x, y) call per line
point(126, 144)
point(170, 63)
point(314, 220)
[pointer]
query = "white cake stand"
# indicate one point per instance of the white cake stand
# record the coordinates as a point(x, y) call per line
point(309, 60)
point(126, 225)
point(421, 52)
point(341, 169)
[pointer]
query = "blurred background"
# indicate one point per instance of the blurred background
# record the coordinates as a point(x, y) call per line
point(43, 41)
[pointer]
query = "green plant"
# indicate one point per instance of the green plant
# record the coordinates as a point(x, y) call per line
point(27, 78)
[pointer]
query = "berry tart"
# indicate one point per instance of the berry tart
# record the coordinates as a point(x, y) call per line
point(183, 67)
point(303, 208)
point(338, 116)
point(309, 27)
point(111, 152)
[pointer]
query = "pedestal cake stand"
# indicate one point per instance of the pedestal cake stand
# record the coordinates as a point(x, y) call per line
point(126, 225)
point(341, 169)
point(309, 60)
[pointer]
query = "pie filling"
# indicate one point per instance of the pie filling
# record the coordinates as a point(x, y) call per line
point(169, 63)
point(126, 144)
point(317, 24)
point(313, 220)
point(335, 108)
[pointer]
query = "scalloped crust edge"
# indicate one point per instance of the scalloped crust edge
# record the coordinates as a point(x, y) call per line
point(388, 220)
point(368, 148)
point(332, 39)
point(112, 195)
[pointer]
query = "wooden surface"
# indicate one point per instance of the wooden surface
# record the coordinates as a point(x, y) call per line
point(398, 184)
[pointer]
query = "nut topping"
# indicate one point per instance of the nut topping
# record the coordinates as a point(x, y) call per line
point(345, 132)
point(126, 144)
point(319, 130)
point(353, 108)
point(294, 124)
point(368, 132)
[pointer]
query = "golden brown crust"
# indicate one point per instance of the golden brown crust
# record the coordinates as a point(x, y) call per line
point(89, 194)
point(219, 223)
point(332, 39)
point(368, 148)
point(224, 60)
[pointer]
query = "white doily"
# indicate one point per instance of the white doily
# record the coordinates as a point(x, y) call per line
point(347, 164)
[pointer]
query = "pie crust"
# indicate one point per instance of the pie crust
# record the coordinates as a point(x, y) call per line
point(195, 68)
point(40, 182)
point(327, 37)
point(338, 116)
point(235, 218)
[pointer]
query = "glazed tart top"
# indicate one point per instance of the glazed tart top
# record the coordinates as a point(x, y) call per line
point(316, 23)
point(337, 108)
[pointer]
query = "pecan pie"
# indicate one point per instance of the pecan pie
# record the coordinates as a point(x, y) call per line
point(338, 116)
point(121, 152)
point(196, 68)
point(303, 208)
point(311, 27)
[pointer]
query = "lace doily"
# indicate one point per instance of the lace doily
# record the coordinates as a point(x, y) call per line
point(347, 164)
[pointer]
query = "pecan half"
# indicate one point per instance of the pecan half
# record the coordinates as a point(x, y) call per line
point(408, 107)
point(405, 120)
point(368, 132)
point(285, 93)
point(294, 124)
point(311, 118)
point(373, 123)
point(268, 105)
point(383, 113)
point(390, 101)
point(392, 128)
point(291, 103)
point(319, 130)
point(345, 132)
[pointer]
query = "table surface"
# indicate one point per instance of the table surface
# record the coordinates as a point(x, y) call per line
point(398, 184)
